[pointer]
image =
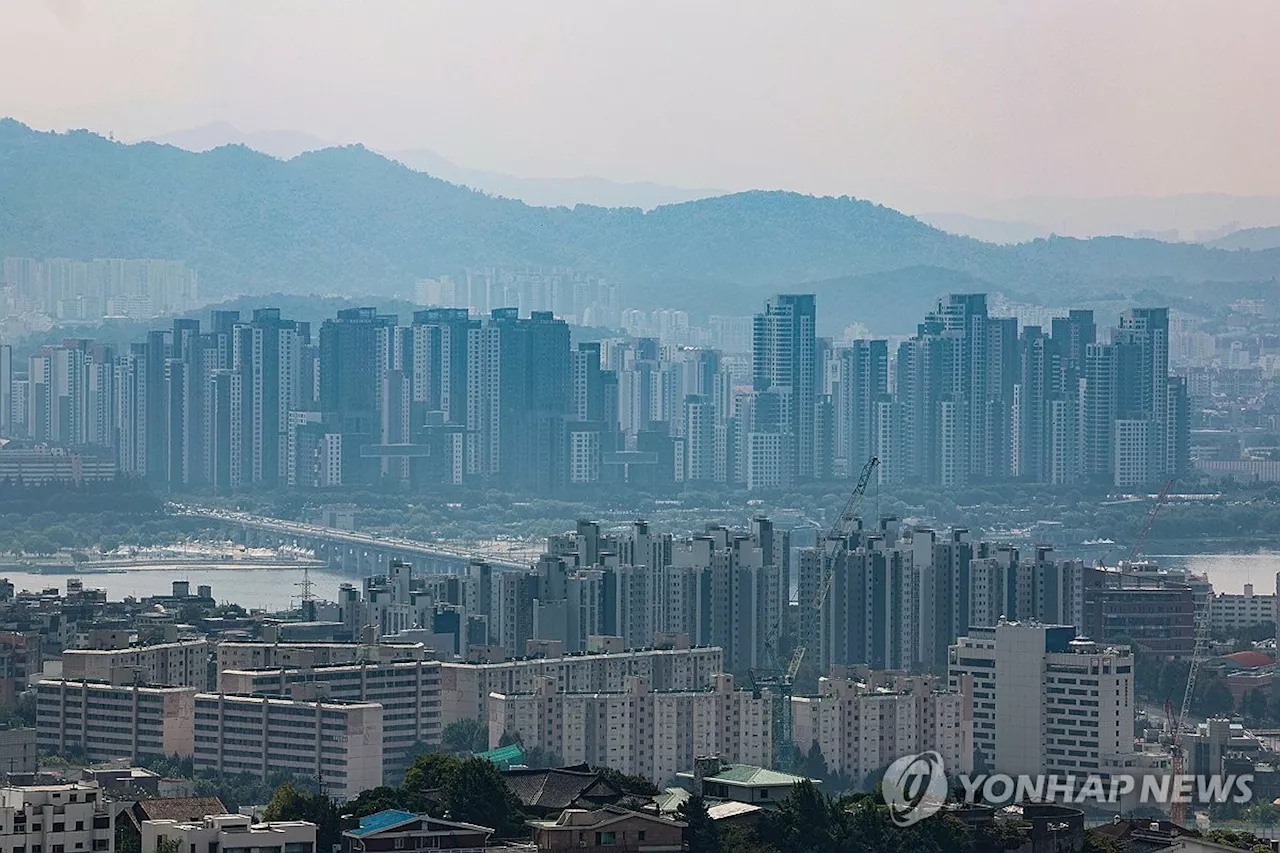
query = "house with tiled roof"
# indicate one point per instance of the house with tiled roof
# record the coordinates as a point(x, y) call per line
point(606, 830)
point(739, 783)
point(181, 809)
point(549, 791)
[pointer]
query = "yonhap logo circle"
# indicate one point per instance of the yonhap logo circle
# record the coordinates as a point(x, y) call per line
point(914, 787)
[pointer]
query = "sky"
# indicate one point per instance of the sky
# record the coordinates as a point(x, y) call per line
point(910, 103)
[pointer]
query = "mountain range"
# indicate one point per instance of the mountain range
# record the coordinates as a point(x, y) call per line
point(543, 192)
point(352, 222)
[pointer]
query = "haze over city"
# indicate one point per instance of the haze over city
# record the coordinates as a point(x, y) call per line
point(585, 427)
point(918, 105)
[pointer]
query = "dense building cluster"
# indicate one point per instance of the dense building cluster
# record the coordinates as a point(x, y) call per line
point(456, 397)
point(65, 289)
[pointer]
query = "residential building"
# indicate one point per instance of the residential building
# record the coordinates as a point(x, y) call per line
point(1232, 612)
point(864, 721)
point(185, 663)
point(394, 829)
point(229, 832)
point(18, 750)
point(106, 722)
point(250, 654)
point(56, 818)
point(338, 744)
point(637, 730)
point(466, 687)
point(409, 691)
point(608, 829)
point(717, 780)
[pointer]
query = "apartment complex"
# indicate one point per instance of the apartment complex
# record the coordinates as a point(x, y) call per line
point(466, 687)
point(1045, 701)
point(185, 663)
point(105, 722)
point(339, 744)
point(248, 654)
point(452, 397)
point(638, 730)
point(409, 692)
point(865, 721)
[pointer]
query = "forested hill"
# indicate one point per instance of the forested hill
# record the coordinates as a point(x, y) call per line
point(346, 220)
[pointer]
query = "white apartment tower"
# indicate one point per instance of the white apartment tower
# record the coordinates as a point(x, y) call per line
point(1044, 700)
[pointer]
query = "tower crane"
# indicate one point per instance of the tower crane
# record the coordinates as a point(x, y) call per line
point(1151, 520)
point(778, 680)
point(1199, 650)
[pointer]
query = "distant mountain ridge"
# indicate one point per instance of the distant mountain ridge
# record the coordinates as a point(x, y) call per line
point(1254, 239)
point(544, 192)
point(346, 220)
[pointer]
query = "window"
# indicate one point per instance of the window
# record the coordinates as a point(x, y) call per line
point(79, 825)
point(606, 839)
point(640, 835)
point(400, 843)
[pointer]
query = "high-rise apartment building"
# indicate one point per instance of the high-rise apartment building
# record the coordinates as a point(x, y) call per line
point(784, 363)
point(1045, 701)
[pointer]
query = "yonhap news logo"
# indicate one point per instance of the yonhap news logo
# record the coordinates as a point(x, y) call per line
point(914, 787)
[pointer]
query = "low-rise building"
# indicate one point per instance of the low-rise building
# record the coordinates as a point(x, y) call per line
point(105, 722)
point(637, 730)
point(394, 829)
point(607, 830)
point(177, 809)
point(338, 744)
point(55, 819)
point(864, 721)
point(229, 833)
point(18, 751)
point(739, 783)
point(1231, 612)
point(185, 663)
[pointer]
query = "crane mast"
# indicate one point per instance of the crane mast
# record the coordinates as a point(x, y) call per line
point(776, 678)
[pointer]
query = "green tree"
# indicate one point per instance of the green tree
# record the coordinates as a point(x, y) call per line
point(700, 832)
point(465, 736)
point(477, 793)
point(289, 802)
point(380, 799)
point(1256, 705)
point(814, 764)
point(1213, 698)
point(429, 773)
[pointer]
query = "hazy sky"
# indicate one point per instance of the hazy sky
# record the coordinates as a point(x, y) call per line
point(907, 102)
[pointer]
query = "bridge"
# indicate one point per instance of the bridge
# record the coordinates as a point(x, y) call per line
point(360, 554)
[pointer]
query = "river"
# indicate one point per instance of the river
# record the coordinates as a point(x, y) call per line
point(272, 589)
point(277, 588)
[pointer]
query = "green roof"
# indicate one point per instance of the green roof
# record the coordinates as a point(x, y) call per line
point(747, 774)
point(504, 756)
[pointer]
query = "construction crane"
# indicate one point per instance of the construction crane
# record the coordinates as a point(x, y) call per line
point(778, 680)
point(837, 538)
point(1151, 520)
point(1199, 651)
